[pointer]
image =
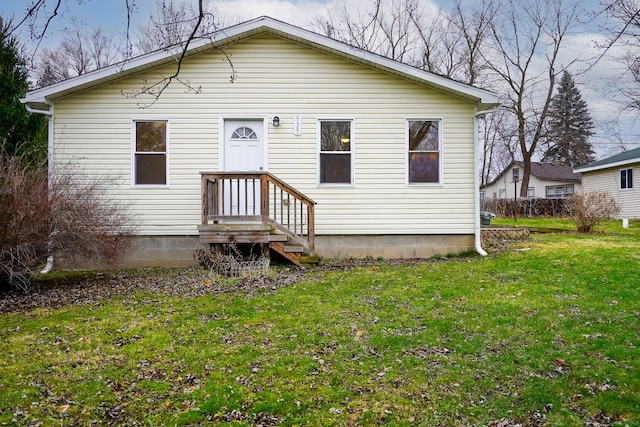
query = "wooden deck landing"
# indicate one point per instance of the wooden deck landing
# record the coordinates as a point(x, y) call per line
point(257, 208)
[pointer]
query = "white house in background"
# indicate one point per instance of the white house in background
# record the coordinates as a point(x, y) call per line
point(615, 176)
point(548, 180)
point(365, 156)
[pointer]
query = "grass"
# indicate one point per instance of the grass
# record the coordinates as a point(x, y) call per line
point(546, 333)
point(610, 226)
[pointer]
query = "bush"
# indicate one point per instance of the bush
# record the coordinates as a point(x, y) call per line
point(65, 218)
point(591, 208)
point(231, 260)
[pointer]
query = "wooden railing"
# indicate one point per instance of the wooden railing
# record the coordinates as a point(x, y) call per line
point(257, 196)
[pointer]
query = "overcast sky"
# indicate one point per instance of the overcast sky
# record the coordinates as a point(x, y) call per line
point(111, 16)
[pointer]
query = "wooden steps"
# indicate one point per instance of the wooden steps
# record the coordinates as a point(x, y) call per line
point(252, 233)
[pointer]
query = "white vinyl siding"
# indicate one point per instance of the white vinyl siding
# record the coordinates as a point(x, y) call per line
point(608, 180)
point(277, 77)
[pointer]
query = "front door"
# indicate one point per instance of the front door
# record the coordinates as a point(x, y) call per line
point(244, 145)
point(243, 152)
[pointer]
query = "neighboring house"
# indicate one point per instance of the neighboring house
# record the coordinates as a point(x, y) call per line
point(615, 176)
point(365, 156)
point(547, 180)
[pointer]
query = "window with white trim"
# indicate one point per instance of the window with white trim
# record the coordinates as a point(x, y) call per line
point(502, 194)
point(150, 152)
point(559, 191)
point(423, 158)
point(336, 152)
point(531, 192)
point(626, 179)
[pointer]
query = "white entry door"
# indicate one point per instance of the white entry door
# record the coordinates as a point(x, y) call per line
point(243, 145)
point(243, 152)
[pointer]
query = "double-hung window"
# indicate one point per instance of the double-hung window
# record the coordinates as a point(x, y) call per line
point(150, 152)
point(424, 146)
point(626, 179)
point(336, 152)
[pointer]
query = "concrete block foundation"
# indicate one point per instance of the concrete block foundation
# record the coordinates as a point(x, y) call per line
point(392, 246)
point(178, 251)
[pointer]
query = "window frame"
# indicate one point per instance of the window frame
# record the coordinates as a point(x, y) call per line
point(565, 194)
point(628, 173)
point(408, 152)
point(351, 152)
point(135, 153)
point(502, 193)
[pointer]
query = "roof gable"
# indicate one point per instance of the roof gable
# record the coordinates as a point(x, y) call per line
point(624, 158)
point(42, 98)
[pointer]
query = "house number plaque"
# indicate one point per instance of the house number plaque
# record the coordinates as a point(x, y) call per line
point(297, 125)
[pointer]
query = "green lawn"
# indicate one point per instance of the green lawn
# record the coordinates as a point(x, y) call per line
point(544, 333)
point(611, 226)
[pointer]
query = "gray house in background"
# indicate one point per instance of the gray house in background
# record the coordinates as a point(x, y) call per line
point(615, 176)
point(548, 180)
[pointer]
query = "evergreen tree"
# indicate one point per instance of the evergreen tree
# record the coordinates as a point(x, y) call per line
point(569, 126)
point(21, 133)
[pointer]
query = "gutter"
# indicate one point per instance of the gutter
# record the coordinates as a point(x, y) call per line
point(36, 111)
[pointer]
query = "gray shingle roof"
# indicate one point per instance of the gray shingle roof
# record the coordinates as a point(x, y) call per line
point(546, 171)
point(626, 157)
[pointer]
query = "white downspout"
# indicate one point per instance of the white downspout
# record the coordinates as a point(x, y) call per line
point(49, 113)
point(49, 266)
point(476, 183)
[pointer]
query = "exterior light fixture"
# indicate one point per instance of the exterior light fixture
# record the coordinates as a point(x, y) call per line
point(276, 121)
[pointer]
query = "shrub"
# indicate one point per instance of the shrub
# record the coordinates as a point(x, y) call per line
point(231, 260)
point(591, 208)
point(70, 219)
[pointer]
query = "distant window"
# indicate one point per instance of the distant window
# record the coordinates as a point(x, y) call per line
point(531, 192)
point(424, 151)
point(502, 194)
point(150, 153)
point(626, 179)
point(336, 152)
point(559, 191)
point(483, 195)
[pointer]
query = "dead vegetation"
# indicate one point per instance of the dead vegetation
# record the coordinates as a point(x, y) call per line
point(70, 217)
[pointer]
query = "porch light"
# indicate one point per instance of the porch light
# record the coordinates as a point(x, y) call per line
point(276, 121)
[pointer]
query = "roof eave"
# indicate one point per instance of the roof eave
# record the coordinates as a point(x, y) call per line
point(607, 165)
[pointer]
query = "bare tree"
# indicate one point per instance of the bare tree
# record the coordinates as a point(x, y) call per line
point(79, 53)
point(42, 13)
point(451, 43)
point(385, 27)
point(526, 42)
point(623, 26)
point(173, 24)
point(499, 144)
